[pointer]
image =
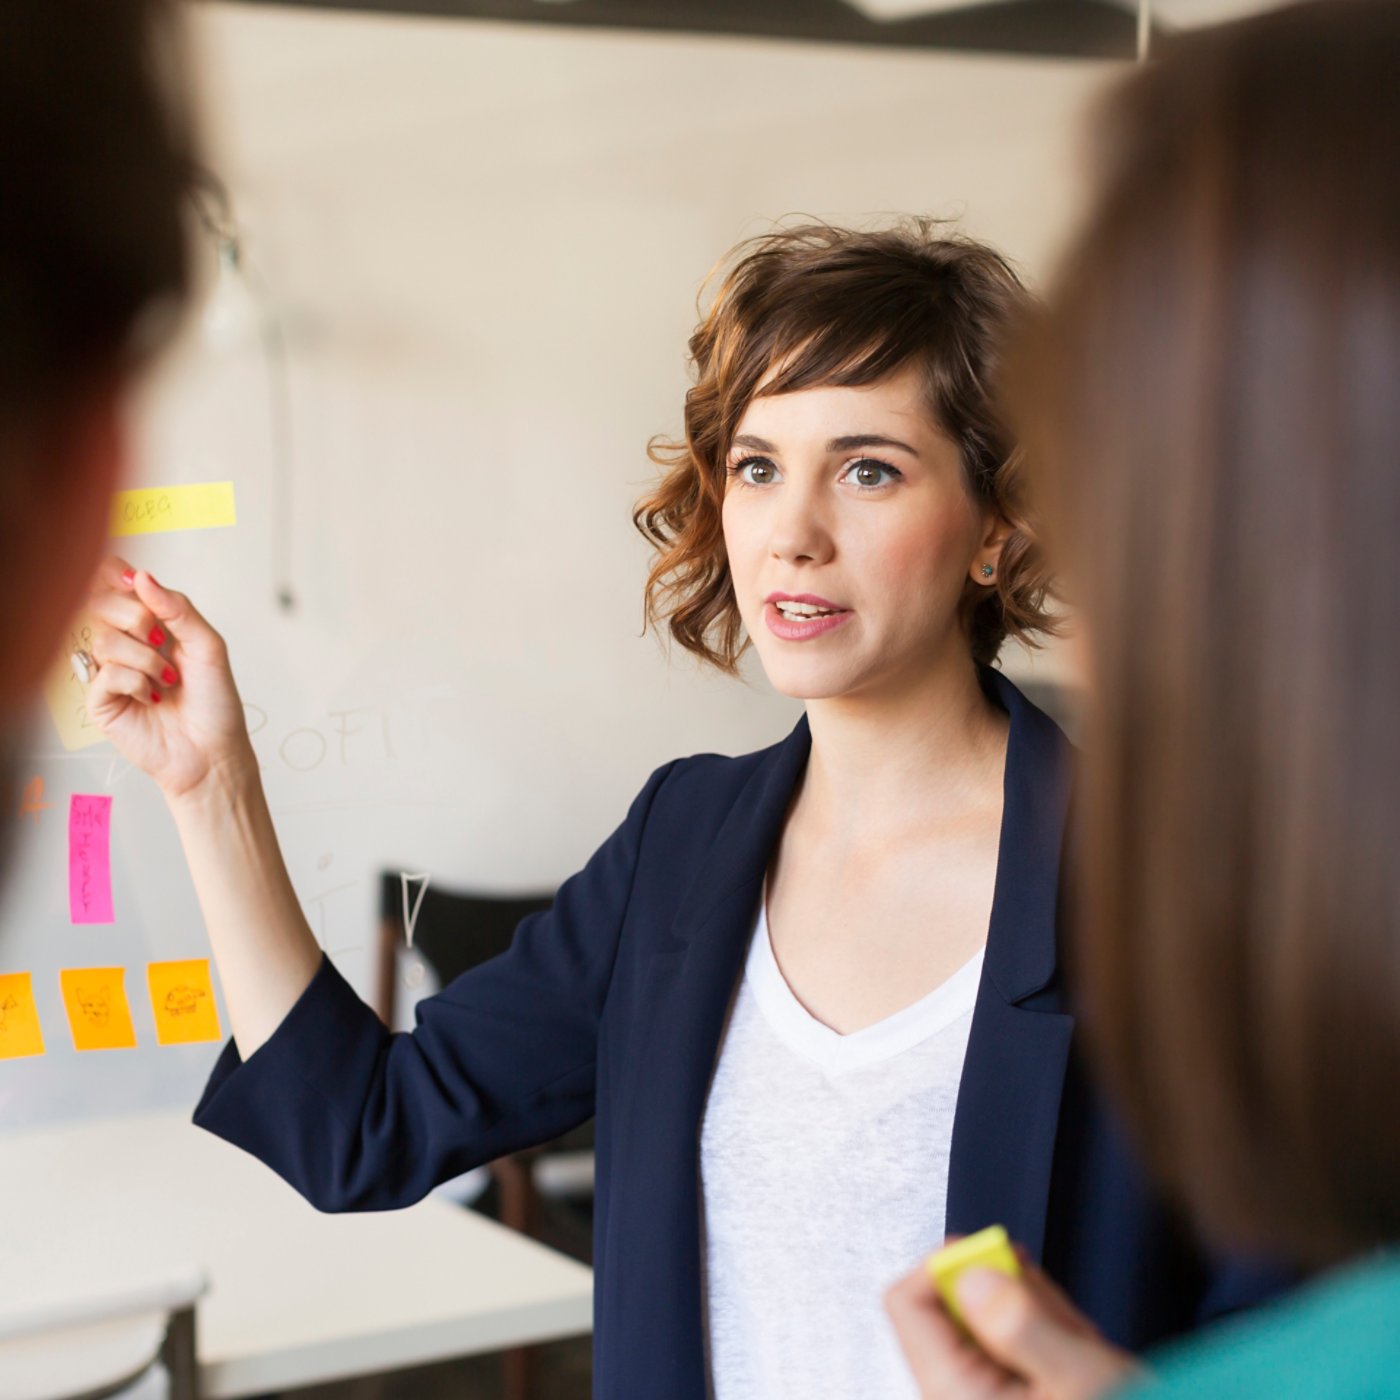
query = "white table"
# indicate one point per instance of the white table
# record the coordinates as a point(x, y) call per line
point(296, 1298)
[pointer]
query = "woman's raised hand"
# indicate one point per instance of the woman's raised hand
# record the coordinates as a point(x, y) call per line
point(163, 694)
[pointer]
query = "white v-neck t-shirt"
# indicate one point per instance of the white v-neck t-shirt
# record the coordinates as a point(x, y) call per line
point(824, 1178)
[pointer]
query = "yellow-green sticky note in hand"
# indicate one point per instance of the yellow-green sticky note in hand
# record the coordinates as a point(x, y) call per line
point(987, 1249)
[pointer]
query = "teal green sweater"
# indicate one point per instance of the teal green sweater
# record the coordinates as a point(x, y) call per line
point(1335, 1339)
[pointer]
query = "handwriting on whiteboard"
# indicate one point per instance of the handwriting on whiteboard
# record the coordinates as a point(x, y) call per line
point(345, 738)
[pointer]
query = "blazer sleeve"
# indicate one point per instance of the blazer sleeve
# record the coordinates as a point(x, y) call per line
point(357, 1118)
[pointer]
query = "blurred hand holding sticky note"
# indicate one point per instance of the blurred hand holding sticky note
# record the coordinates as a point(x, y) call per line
point(987, 1249)
point(182, 998)
point(20, 1033)
point(155, 510)
point(90, 859)
point(66, 697)
point(98, 1012)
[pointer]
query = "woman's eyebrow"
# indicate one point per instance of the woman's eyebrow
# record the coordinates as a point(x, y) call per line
point(849, 443)
point(858, 440)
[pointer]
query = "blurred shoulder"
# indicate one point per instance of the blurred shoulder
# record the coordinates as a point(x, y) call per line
point(1334, 1338)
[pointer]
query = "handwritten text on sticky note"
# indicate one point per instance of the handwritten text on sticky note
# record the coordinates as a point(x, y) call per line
point(99, 1014)
point(161, 508)
point(66, 697)
point(182, 998)
point(90, 859)
point(19, 1020)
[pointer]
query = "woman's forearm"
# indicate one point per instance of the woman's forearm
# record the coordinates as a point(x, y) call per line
point(264, 948)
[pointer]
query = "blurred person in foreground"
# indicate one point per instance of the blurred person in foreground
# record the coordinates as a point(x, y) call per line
point(94, 161)
point(1212, 408)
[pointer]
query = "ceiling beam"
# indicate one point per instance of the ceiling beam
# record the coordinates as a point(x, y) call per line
point(1041, 28)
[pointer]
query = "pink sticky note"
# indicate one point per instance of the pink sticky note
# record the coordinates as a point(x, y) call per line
point(90, 859)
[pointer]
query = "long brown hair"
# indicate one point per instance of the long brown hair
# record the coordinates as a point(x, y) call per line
point(1213, 409)
point(96, 150)
point(827, 305)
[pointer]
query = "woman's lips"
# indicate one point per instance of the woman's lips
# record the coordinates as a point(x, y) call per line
point(801, 629)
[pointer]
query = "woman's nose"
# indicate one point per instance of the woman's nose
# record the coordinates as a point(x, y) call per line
point(800, 531)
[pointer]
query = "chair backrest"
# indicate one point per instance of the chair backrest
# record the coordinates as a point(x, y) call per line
point(455, 930)
point(138, 1344)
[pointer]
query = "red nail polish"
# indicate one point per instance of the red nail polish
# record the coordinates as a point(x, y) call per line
point(129, 577)
point(155, 697)
point(168, 675)
point(157, 637)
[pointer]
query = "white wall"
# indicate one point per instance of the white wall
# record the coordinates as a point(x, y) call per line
point(485, 243)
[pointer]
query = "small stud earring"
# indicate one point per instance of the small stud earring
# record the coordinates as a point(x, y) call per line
point(987, 571)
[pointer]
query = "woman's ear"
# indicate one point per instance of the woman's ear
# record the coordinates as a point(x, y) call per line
point(996, 530)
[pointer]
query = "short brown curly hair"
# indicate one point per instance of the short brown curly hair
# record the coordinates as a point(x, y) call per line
point(828, 305)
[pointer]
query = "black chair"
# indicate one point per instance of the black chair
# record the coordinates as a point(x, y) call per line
point(453, 932)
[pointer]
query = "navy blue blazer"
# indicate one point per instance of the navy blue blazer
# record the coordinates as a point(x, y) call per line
point(613, 1003)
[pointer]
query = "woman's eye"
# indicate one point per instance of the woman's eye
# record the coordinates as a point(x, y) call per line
point(755, 471)
point(868, 472)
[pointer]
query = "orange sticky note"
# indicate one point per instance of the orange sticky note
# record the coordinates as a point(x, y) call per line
point(182, 998)
point(20, 1033)
point(98, 1012)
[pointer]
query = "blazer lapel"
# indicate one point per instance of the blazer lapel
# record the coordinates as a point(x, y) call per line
point(1009, 1101)
point(689, 981)
point(710, 933)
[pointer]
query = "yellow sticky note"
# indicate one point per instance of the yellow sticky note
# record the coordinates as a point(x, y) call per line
point(64, 692)
point(20, 1033)
point(156, 509)
point(98, 1012)
point(182, 998)
point(987, 1249)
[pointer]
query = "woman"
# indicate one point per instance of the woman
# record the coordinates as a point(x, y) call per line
point(1213, 405)
point(776, 982)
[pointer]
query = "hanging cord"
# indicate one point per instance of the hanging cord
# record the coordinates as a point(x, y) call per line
point(214, 208)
